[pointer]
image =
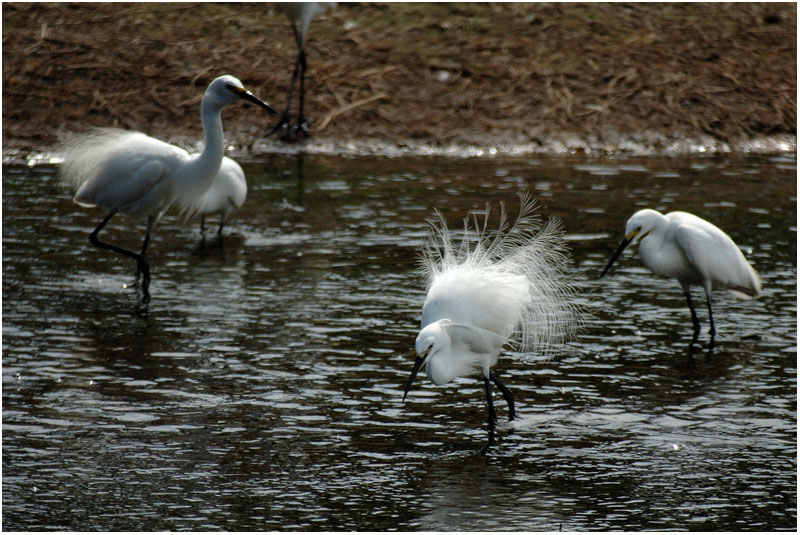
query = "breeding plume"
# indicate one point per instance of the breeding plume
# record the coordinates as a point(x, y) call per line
point(490, 289)
point(692, 250)
point(130, 173)
point(300, 15)
point(226, 194)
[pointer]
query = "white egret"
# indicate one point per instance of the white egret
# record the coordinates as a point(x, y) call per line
point(226, 194)
point(692, 250)
point(131, 173)
point(492, 289)
point(300, 15)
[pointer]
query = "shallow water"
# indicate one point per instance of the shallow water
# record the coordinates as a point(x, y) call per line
point(262, 388)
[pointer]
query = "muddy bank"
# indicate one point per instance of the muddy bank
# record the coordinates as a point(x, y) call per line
point(426, 77)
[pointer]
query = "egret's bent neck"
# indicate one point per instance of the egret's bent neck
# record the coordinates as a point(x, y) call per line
point(441, 367)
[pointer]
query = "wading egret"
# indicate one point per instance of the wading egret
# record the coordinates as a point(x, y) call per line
point(692, 250)
point(226, 194)
point(488, 289)
point(134, 174)
point(300, 15)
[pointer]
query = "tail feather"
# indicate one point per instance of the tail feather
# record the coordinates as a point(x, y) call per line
point(524, 246)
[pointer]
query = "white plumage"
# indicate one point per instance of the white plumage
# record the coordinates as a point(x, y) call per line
point(226, 194)
point(693, 251)
point(489, 289)
point(122, 170)
point(134, 174)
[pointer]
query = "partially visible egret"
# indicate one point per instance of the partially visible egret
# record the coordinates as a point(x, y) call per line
point(692, 250)
point(489, 289)
point(226, 194)
point(130, 173)
point(299, 14)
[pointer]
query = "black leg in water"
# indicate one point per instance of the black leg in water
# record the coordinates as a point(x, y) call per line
point(492, 414)
point(711, 330)
point(506, 394)
point(695, 321)
point(141, 263)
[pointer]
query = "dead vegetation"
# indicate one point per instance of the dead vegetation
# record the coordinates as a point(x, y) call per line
point(441, 73)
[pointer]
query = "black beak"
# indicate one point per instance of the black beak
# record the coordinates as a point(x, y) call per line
point(622, 245)
point(414, 371)
point(247, 95)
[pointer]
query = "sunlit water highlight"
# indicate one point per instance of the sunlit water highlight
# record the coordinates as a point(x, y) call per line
point(263, 388)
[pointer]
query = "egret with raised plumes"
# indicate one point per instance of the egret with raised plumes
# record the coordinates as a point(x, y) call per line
point(490, 289)
point(130, 173)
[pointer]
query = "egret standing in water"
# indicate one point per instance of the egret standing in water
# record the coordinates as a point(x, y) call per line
point(490, 289)
point(692, 250)
point(130, 173)
point(300, 15)
point(226, 194)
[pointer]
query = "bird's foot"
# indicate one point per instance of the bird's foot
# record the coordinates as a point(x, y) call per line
point(283, 123)
point(295, 131)
point(289, 131)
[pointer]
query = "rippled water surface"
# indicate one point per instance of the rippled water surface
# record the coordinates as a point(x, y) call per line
point(262, 388)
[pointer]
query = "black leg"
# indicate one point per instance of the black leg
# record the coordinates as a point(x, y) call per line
point(285, 120)
point(506, 394)
point(202, 225)
point(711, 330)
point(141, 263)
point(695, 321)
point(492, 414)
point(301, 120)
point(221, 223)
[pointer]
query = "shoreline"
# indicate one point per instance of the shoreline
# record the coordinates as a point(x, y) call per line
point(415, 79)
point(768, 145)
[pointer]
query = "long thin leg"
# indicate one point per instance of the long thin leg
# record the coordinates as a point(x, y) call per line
point(711, 330)
point(151, 223)
point(506, 394)
point(695, 321)
point(301, 120)
point(202, 225)
point(221, 223)
point(285, 118)
point(492, 414)
point(141, 263)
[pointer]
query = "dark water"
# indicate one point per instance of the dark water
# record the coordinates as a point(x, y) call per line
point(263, 388)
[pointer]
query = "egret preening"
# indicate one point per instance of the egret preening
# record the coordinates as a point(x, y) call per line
point(692, 250)
point(489, 289)
point(226, 194)
point(130, 173)
point(300, 15)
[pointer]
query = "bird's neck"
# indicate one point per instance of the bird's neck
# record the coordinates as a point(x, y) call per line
point(214, 147)
point(203, 169)
point(441, 367)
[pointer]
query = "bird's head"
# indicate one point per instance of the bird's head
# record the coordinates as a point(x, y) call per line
point(638, 226)
point(641, 224)
point(430, 340)
point(227, 89)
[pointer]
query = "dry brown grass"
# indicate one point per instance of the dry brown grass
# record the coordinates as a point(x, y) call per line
point(435, 72)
